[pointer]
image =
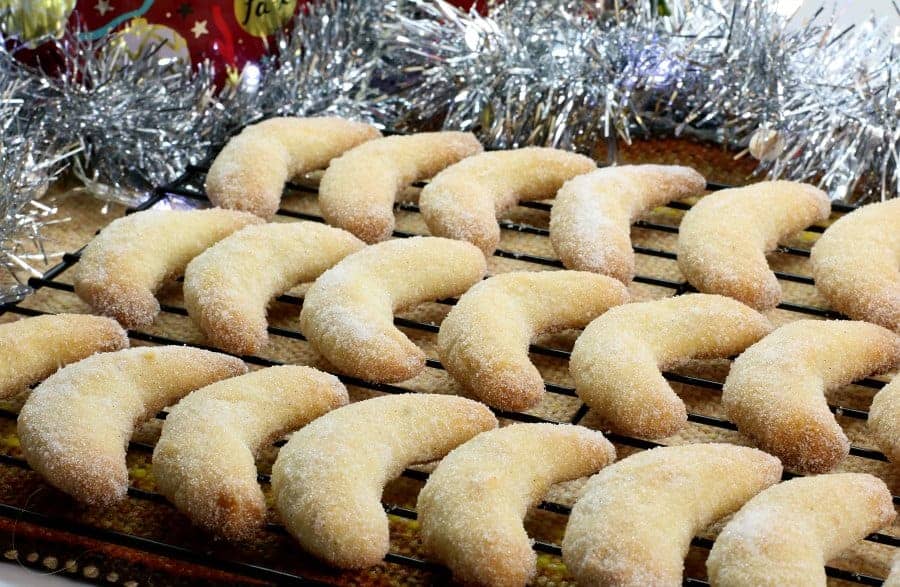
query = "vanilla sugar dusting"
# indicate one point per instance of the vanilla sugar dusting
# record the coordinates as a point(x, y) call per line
point(251, 170)
point(122, 268)
point(75, 425)
point(775, 390)
point(723, 238)
point(348, 312)
point(358, 190)
point(591, 219)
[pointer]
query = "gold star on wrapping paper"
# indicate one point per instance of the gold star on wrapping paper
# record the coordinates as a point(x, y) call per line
point(103, 6)
point(199, 29)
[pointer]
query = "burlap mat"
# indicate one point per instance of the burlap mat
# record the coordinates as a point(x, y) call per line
point(71, 549)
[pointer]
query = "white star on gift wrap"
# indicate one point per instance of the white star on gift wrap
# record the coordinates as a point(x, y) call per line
point(199, 29)
point(103, 7)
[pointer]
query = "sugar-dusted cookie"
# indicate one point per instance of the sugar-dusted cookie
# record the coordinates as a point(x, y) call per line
point(464, 200)
point(483, 341)
point(856, 264)
point(251, 170)
point(121, 269)
point(590, 222)
point(31, 349)
point(616, 362)
point(724, 238)
point(884, 419)
point(75, 425)
point(784, 535)
point(634, 523)
point(775, 390)
point(329, 477)
point(228, 287)
point(348, 312)
point(359, 189)
point(471, 509)
point(204, 461)
point(893, 579)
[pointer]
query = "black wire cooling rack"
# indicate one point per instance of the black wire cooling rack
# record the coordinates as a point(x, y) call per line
point(189, 189)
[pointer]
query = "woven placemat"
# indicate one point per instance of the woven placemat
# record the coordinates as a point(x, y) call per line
point(64, 537)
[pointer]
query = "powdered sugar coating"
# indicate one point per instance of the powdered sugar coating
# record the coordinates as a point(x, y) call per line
point(32, 349)
point(775, 392)
point(348, 312)
point(228, 287)
point(856, 264)
point(723, 239)
point(472, 507)
point(483, 341)
point(329, 477)
point(464, 200)
point(616, 362)
point(359, 189)
point(884, 419)
point(75, 425)
point(893, 579)
point(121, 269)
point(590, 222)
point(634, 524)
point(251, 170)
point(784, 535)
point(204, 461)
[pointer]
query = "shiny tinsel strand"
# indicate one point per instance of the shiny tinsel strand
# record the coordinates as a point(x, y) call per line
point(26, 168)
point(137, 118)
point(505, 76)
point(813, 103)
point(560, 73)
point(323, 64)
point(819, 104)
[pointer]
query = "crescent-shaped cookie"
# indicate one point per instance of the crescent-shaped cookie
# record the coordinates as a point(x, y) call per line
point(228, 287)
point(775, 390)
point(251, 170)
point(504, 472)
point(784, 535)
point(724, 238)
point(884, 419)
point(204, 461)
point(329, 477)
point(358, 190)
point(75, 426)
point(464, 200)
point(32, 349)
point(616, 362)
point(856, 264)
point(634, 523)
point(590, 222)
point(121, 269)
point(348, 312)
point(483, 341)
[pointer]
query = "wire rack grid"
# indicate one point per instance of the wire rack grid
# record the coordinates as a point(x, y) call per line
point(187, 192)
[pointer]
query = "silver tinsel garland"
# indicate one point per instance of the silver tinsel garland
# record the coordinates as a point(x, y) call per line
point(27, 164)
point(324, 63)
point(126, 121)
point(137, 118)
point(811, 102)
point(560, 73)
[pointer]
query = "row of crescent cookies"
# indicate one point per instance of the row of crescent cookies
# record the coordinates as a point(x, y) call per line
point(632, 525)
point(351, 306)
point(347, 314)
